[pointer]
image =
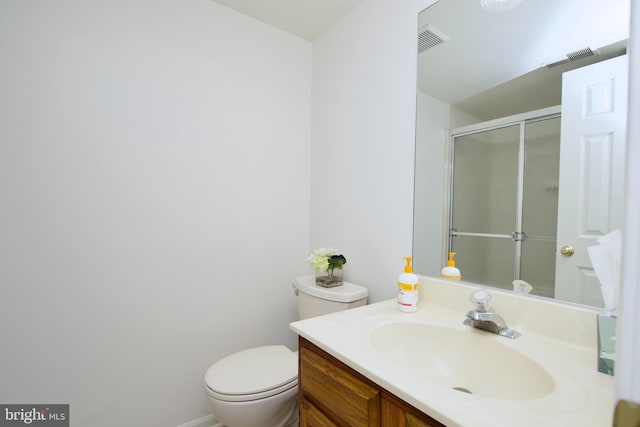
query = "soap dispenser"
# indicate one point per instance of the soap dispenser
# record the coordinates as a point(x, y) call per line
point(408, 289)
point(450, 271)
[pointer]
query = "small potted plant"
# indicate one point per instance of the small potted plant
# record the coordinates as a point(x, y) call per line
point(327, 264)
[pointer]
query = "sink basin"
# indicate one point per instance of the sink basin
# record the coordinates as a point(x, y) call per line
point(469, 360)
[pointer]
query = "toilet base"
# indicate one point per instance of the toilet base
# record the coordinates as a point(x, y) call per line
point(280, 410)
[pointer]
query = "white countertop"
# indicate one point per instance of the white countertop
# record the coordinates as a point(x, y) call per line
point(560, 338)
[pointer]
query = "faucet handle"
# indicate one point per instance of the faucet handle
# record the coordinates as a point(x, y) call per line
point(482, 299)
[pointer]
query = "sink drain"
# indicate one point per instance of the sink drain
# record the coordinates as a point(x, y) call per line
point(462, 389)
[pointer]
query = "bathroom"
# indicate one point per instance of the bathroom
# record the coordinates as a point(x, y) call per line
point(129, 261)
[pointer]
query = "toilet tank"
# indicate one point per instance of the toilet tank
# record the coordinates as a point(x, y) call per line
point(314, 300)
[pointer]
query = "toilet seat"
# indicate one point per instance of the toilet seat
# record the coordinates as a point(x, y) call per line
point(252, 374)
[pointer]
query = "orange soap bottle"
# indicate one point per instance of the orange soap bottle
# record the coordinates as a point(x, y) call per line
point(408, 289)
point(450, 271)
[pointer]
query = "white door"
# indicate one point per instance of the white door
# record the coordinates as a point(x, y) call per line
point(592, 158)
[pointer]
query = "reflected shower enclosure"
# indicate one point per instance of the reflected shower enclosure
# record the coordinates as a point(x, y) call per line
point(504, 201)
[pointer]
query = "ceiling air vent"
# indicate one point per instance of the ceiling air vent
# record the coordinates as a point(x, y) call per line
point(571, 57)
point(429, 37)
point(579, 54)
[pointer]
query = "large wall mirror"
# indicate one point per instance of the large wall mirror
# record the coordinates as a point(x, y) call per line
point(511, 171)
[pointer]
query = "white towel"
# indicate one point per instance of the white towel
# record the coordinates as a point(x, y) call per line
point(605, 258)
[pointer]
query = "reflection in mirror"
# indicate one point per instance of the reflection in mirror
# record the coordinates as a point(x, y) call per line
point(491, 178)
point(504, 200)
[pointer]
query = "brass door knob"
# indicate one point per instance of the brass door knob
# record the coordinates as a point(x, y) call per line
point(567, 250)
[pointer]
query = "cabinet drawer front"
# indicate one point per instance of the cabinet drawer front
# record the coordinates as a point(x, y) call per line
point(331, 386)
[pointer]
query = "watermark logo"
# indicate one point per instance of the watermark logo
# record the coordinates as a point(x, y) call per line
point(34, 415)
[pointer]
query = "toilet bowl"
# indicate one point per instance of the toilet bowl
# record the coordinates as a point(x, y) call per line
point(259, 386)
point(255, 387)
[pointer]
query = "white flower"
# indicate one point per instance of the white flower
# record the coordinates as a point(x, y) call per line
point(319, 258)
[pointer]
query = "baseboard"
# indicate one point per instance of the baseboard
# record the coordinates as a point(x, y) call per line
point(206, 421)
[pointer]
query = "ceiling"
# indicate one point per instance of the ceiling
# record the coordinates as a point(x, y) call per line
point(494, 63)
point(304, 18)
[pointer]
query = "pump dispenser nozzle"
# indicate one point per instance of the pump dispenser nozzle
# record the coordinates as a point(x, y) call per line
point(408, 268)
point(451, 262)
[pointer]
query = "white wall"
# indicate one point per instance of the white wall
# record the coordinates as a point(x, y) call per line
point(432, 125)
point(434, 120)
point(154, 200)
point(364, 89)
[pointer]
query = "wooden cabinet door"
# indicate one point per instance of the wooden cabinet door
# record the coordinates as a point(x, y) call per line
point(337, 390)
point(310, 416)
point(333, 394)
point(397, 413)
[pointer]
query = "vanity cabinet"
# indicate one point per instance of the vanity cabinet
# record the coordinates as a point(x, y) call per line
point(332, 394)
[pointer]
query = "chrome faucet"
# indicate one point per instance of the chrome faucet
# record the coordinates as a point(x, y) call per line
point(483, 317)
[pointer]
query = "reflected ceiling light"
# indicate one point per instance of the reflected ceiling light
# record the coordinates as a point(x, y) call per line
point(499, 5)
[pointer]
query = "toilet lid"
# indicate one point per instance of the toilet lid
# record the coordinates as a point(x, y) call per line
point(253, 371)
point(348, 292)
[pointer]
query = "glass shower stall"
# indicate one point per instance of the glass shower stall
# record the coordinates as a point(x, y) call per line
point(503, 200)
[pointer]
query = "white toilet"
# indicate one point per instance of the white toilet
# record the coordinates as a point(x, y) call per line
point(259, 386)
